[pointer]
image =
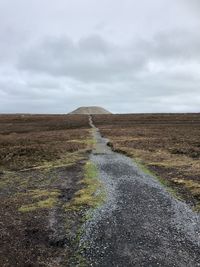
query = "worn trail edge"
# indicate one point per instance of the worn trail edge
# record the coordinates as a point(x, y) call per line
point(140, 224)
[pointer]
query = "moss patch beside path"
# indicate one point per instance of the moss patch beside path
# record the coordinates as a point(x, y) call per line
point(92, 194)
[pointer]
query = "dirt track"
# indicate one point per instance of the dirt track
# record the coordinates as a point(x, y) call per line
point(140, 224)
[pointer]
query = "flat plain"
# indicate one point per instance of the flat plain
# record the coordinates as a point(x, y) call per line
point(48, 183)
point(166, 144)
point(42, 161)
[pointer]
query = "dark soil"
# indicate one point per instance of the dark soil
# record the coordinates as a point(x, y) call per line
point(29, 140)
point(46, 235)
point(167, 144)
point(40, 238)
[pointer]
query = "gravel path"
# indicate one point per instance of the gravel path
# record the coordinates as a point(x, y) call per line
point(140, 224)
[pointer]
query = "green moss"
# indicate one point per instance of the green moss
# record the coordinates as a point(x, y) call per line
point(43, 204)
point(38, 193)
point(12, 180)
point(27, 208)
point(92, 194)
point(42, 199)
point(90, 142)
point(47, 203)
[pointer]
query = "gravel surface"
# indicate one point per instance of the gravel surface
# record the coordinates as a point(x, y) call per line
point(140, 224)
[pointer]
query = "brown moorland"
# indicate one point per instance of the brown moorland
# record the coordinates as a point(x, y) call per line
point(42, 165)
point(45, 178)
point(31, 140)
point(166, 144)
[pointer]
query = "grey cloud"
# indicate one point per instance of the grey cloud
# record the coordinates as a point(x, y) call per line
point(182, 45)
point(91, 59)
point(194, 4)
point(94, 59)
point(141, 56)
point(95, 44)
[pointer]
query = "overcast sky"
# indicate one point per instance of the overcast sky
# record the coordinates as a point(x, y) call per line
point(123, 55)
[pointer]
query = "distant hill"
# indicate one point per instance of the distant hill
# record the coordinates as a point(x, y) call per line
point(90, 110)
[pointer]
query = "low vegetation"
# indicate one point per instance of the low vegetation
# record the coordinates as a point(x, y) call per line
point(91, 194)
point(30, 141)
point(168, 145)
point(43, 168)
point(40, 199)
point(48, 184)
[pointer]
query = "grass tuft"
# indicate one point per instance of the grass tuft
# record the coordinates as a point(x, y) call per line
point(42, 199)
point(162, 181)
point(91, 195)
point(193, 186)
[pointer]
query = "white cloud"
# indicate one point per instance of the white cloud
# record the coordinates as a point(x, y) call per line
point(128, 57)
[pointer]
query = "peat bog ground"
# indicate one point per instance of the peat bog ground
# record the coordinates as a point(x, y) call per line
point(47, 182)
point(166, 144)
point(42, 161)
point(139, 222)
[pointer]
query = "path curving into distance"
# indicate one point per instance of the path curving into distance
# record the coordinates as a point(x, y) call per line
point(140, 224)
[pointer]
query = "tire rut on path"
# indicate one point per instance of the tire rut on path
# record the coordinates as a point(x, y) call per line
point(140, 224)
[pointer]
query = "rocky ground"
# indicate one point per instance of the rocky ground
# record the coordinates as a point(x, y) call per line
point(140, 224)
